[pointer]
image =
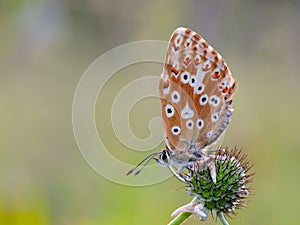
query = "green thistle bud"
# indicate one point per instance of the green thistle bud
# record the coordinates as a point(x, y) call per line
point(232, 182)
point(221, 186)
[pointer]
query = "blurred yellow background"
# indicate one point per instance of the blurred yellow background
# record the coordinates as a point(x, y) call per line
point(45, 48)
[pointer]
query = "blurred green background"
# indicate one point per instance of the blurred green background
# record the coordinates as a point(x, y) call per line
point(47, 45)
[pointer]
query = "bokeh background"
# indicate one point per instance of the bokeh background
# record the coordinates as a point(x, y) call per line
point(45, 48)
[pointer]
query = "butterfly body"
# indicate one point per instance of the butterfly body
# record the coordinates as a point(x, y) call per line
point(179, 157)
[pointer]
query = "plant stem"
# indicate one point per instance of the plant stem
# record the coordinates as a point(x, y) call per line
point(222, 219)
point(182, 216)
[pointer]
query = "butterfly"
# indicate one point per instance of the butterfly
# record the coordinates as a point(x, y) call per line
point(196, 90)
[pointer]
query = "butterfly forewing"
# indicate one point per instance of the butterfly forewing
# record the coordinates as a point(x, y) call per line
point(196, 90)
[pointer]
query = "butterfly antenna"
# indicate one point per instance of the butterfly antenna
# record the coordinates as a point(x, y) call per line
point(145, 164)
point(145, 160)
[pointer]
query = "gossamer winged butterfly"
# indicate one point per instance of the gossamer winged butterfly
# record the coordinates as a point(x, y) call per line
point(196, 90)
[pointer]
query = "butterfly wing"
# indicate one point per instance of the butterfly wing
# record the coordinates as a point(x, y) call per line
point(196, 90)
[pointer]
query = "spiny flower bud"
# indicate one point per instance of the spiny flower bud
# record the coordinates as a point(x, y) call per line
point(231, 188)
point(221, 187)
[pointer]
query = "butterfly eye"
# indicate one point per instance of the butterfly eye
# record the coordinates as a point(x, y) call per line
point(164, 158)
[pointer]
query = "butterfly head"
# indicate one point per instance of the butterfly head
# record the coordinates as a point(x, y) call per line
point(164, 157)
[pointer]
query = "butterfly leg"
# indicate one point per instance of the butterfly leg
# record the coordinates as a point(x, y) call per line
point(190, 166)
point(185, 166)
point(180, 175)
